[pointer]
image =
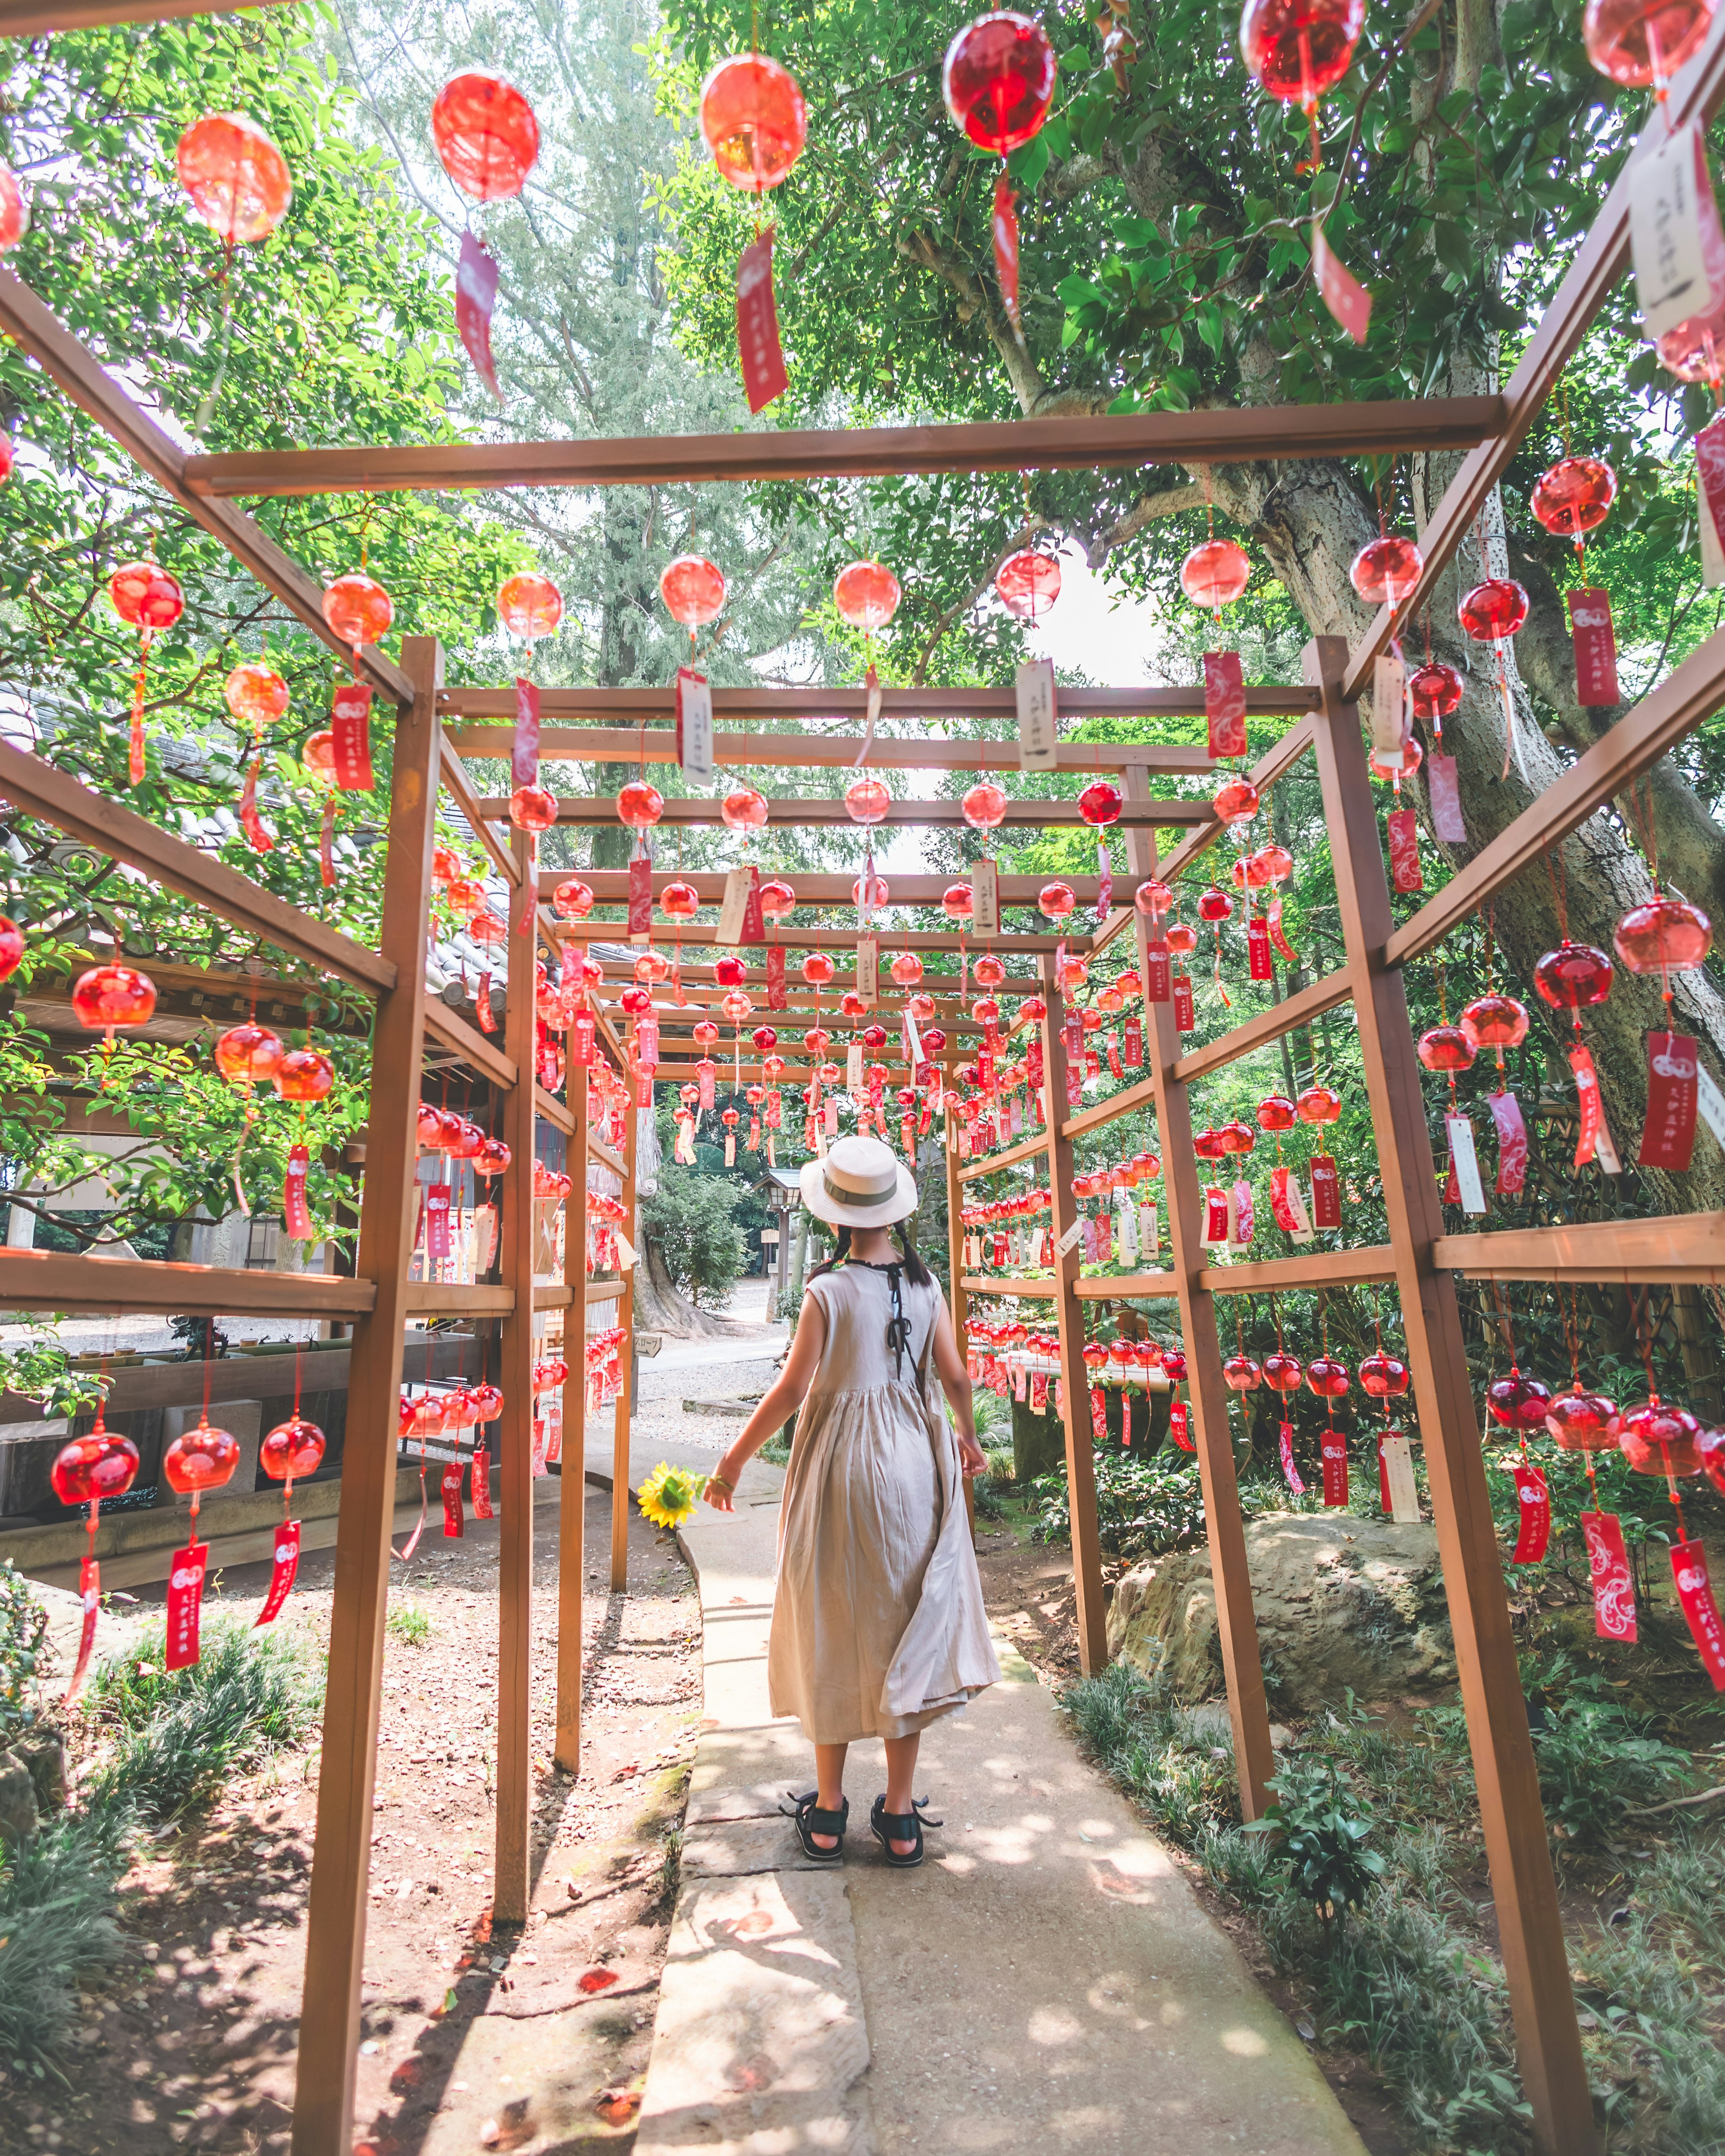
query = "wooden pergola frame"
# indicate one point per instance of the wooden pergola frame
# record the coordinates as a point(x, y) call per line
point(437, 725)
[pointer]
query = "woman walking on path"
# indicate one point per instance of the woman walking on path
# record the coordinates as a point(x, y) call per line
point(878, 1624)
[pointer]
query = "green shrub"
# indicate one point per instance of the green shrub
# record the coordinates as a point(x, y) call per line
point(690, 1223)
point(1595, 1761)
point(179, 1735)
point(1144, 1506)
point(1318, 1826)
point(57, 1926)
point(409, 1623)
point(23, 1652)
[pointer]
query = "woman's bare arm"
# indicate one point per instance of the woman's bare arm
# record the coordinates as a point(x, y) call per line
point(955, 1383)
point(785, 1396)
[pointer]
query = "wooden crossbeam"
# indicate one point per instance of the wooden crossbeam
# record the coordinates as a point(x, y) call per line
point(811, 751)
point(610, 887)
point(65, 1280)
point(758, 704)
point(32, 18)
point(924, 940)
point(826, 809)
point(1234, 434)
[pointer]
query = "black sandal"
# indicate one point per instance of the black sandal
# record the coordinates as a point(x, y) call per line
point(889, 1827)
point(812, 1821)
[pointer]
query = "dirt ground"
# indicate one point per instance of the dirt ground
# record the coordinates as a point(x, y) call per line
point(533, 2042)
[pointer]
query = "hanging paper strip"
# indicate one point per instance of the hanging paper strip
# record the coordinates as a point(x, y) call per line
point(754, 922)
point(437, 1224)
point(185, 1603)
point(1326, 1192)
point(295, 1216)
point(1346, 299)
point(1443, 790)
point(1258, 965)
point(757, 346)
point(1287, 1208)
point(1404, 870)
point(1278, 934)
point(1285, 1437)
point(350, 728)
point(523, 754)
point(1112, 1045)
point(1159, 973)
point(250, 822)
point(581, 1035)
point(777, 999)
point(1098, 1411)
point(1132, 1054)
point(1595, 645)
point(1386, 1503)
point(1689, 1569)
point(641, 898)
point(1334, 1451)
point(1511, 1142)
point(454, 1518)
point(1185, 1010)
point(1594, 1138)
point(1177, 1427)
point(1225, 707)
point(135, 735)
point(1613, 1584)
point(1105, 880)
point(1215, 1219)
point(475, 296)
point(1033, 1061)
point(482, 1005)
point(1535, 1531)
point(481, 1483)
point(1006, 248)
point(1668, 1135)
point(285, 1570)
point(90, 1594)
point(326, 844)
point(1465, 1162)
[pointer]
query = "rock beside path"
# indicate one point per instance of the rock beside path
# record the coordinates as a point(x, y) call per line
point(1343, 1604)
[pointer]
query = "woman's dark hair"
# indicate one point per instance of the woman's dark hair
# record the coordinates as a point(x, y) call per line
point(838, 1258)
point(916, 1272)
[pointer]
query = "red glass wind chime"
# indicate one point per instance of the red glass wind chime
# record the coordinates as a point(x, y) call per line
point(754, 122)
point(998, 81)
point(487, 139)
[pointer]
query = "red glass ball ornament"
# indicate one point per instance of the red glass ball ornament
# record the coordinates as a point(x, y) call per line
point(466, 896)
point(1173, 1361)
point(1656, 1439)
point(1639, 42)
point(358, 609)
point(907, 969)
point(1241, 1374)
point(743, 810)
point(530, 605)
point(1275, 1112)
point(765, 1037)
point(1445, 1048)
point(248, 1053)
point(934, 1039)
point(1711, 1445)
point(736, 1006)
point(986, 1011)
point(1276, 862)
point(693, 589)
point(1495, 1021)
point(1663, 935)
point(485, 927)
point(851, 1005)
point(1327, 1378)
point(753, 120)
point(1214, 904)
point(1386, 570)
point(640, 804)
point(998, 80)
point(1517, 1402)
point(867, 801)
point(1575, 495)
point(1249, 873)
point(1297, 49)
point(1152, 898)
point(486, 135)
point(145, 596)
point(730, 971)
point(237, 178)
point(292, 1450)
point(532, 808)
point(1497, 607)
point(651, 967)
point(958, 901)
point(432, 1127)
point(1435, 689)
point(866, 594)
point(1181, 938)
point(492, 1158)
point(1209, 1144)
point(1100, 803)
point(1282, 1373)
point(1319, 1104)
point(256, 694)
point(877, 894)
point(1235, 802)
point(12, 947)
point(1028, 583)
point(636, 1001)
point(1692, 351)
point(1056, 900)
point(1580, 1421)
point(573, 900)
point(705, 1033)
point(984, 806)
point(108, 996)
point(777, 898)
point(304, 1074)
point(817, 969)
point(200, 1460)
point(1405, 765)
point(1574, 977)
point(101, 1463)
point(1384, 1376)
point(989, 972)
point(1238, 1137)
point(445, 867)
point(11, 210)
point(319, 754)
point(817, 1040)
point(1214, 575)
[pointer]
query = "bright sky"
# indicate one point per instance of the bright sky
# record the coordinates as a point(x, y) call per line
point(1088, 628)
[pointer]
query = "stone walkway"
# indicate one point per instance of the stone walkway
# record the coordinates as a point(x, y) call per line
point(1047, 1981)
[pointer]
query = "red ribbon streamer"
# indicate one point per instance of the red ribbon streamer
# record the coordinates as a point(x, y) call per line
point(453, 1518)
point(287, 1566)
point(1535, 1498)
point(185, 1603)
point(1284, 1436)
point(1225, 707)
point(1689, 1569)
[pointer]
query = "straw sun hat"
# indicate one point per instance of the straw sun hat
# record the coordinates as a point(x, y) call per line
point(861, 1183)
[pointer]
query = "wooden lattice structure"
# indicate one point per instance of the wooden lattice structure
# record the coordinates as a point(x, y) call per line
point(435, 726)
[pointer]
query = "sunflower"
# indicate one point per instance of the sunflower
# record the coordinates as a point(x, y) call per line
point(669, 1495)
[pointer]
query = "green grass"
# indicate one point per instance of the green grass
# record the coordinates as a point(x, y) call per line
point(409, 1623)
point(56, 1928)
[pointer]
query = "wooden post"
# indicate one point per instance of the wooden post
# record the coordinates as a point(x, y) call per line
point(626, 1318)
point(1530, 1927)
point(1068, 1317)
point(1236, 1622)
point(341, 1870)
point(572, 1492)
point(511, 1885)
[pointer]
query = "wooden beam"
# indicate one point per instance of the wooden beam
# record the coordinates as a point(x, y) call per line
point(656, 706)
point(469, 1043)
point(610, 887)
point(1233, 435)
point(80, 1281)
point(1683, 1247)
point(551, 1110)
point(1003, 947)
point(1140, 1094)
point(687, 811)
point(572, 1509)
point(1367, 1261)
point(1329, 993)
point(1529, 1922)
point(30, 324)
point(1129, 1287)
point(512, 1884)
point(340, 1871)
point(598, 1150)
point(1091, 1614)
point(454, 774)
point(457, 1299)
point(32, 18)
point(1665, 717)
point(38, 789)
point(1026, 1149)
point(1038, 1289)
point(1592, 275)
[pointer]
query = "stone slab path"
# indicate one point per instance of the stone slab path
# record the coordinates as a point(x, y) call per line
point(1046, 1982)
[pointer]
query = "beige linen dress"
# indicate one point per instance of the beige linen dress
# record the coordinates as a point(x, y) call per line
point(878, 1623)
